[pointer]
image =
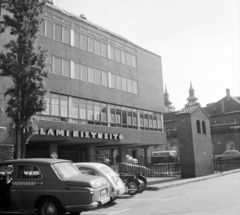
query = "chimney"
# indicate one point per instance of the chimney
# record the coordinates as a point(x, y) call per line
point(228, 94)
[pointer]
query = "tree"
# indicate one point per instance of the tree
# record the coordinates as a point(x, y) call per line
point(25, 63)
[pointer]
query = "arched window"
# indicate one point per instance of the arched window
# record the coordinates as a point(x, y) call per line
point(198, 127)
point(203, 127)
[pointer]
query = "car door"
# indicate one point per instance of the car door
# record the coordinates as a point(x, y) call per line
point(26, 187)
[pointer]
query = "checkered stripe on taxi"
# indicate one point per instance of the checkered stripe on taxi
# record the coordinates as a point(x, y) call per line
point(24, 183)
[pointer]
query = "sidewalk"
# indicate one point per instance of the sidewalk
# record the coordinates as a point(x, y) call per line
point(159, 183)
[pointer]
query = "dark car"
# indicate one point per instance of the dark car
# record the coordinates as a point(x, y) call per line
point(49, 186)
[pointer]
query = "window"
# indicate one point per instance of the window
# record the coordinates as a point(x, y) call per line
point(28, 172)
point(49, 29)
point(124, 115)
point(123, 57)
point(55, 105)
point(112, 113)
point(203, 127)
point(145, 119)
point(66, 68)
point(128, 59)
point(83, 108)
point(91, 75)
point(118, 82)
point(98, 77)
point(77, 71)
point(90, 45)
point(58, 33)
point(97, 116)
point(47, 107)
point(66, 36)
point(154, 120)
point(129, 85)
point(135, 88)
point(118, 114)
point(134, 118)
point(112, 53)
point(75, 108)
point(198, 127)
point(133, 61)
point(103, 50)
point(129, 116)
point(57, 66)
point(117, 55)
point(84, 43)
point(105, 79)
point(159, 121)
point(103, 112)
point(84, 73)
point(141, 115)
point(90, 110)
point(97, 47)
point(113, 81)
point(150, 119)
point(76, 40)
point(124, 84)
point(64, 106)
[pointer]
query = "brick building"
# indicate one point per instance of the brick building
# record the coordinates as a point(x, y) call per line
point(105, 93)
point(224, 124)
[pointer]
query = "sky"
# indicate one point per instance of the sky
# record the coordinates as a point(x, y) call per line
point(198, 40)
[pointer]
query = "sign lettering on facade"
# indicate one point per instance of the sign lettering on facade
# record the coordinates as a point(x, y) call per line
point(79, 134)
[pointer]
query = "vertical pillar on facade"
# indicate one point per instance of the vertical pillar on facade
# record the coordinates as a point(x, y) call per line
point(112, 156)
point(122, 153)
point(91, 153)
point(53, 150)
point(146, 158)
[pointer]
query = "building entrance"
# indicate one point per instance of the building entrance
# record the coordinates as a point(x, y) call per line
point(73, 153)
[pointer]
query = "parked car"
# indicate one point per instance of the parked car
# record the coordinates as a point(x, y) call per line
point(164, 156)
point(49, 186)
point(228, 154)
point(130, 159)
point(117, 186)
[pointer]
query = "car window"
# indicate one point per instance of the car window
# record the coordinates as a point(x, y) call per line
point(65, 170)
point(88, 171)
point(28, 172)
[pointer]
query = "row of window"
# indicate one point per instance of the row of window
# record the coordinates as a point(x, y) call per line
point(86, 43)
point(92, 112)
point(122, 57)
point(92, 75)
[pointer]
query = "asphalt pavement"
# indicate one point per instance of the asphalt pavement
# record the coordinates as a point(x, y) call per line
point(159, 183)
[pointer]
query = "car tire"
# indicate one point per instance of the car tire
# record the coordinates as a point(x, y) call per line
point(142, 186)
point(75, 213)
point(219, 159)
point(50, 206)
point(133, 184)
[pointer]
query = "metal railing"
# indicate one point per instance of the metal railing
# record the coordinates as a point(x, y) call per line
point(226, 165)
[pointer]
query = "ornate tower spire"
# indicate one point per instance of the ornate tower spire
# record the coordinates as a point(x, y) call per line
point(166, 98)
point(192, 99)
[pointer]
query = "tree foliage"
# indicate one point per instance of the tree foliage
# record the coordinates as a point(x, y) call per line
point(24, 61)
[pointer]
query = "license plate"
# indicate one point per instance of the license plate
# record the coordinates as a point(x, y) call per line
point(103, 192)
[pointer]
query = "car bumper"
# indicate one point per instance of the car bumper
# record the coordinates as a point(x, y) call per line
point(76, 208)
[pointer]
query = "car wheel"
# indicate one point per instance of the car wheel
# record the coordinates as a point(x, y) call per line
point(142, 186)
point(50, 206)
point(219, 159)
point(75, 213)
point(133, 186)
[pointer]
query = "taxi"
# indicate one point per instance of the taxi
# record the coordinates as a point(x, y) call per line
point(49, 186)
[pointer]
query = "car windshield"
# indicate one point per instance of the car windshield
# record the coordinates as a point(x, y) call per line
point(107, 169)
point(65, 170)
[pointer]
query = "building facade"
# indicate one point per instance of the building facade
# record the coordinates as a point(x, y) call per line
point(224, 124)
point(105, 93)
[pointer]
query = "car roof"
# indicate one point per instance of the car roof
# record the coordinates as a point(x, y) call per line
point(33, 161)
point(90, 164)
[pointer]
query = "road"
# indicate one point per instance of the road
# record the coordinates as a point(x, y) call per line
point(216, 196)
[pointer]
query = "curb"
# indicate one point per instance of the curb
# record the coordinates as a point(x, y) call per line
point(188, 181)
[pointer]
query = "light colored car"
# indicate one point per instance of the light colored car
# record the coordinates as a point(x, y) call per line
point(130, 159)
point(117, 186)
point(49, 186)
point(228, 154)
